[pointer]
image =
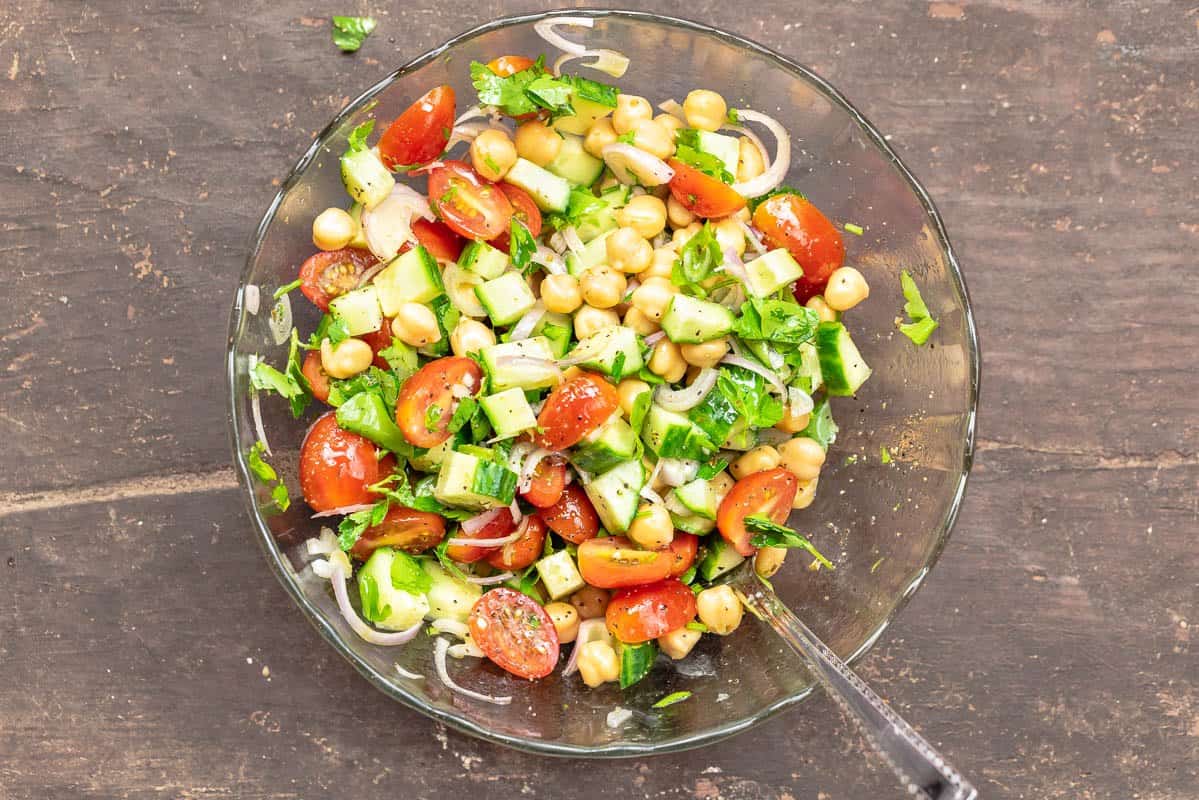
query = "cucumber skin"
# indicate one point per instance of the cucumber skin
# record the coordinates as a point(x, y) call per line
point(834, 347)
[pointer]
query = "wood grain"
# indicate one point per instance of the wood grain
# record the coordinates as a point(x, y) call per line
point(1050, 655)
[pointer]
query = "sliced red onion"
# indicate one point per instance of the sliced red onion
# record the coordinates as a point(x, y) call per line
point(590, 630)
point(489, 543)
point(415, 676)
point(755, 240)
point(256, 413)
point(677, 471)
point(689, 397)
point(632, 165)
point(649, 494)
point(425, 169)
point(673, 108)
point(547, 368)
point(388, 225)
point(517, 517)
point(369, 274)
point(609, 62)
point(250, 298)
point(441, 648)
point(733, 297)
point(755, 367)
point(754, 139)
point(464, 649)
point(571, 237)
point(777, 171)
point(653, 475)
point(338, 579)
point(480, 521)
point(552, 262)
point(337, 512)
point(799, 401)
point(322, 545)
point(450, 626)
point(460, 288)
point(545, 29)
point(734, 266)
point(530, 466)
point(474, 112)
point(490, 580)
point(523, 328)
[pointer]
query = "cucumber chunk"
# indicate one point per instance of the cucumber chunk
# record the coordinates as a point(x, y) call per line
point(550, 192)
point(842, 366)
point(411, 277)
point(468, 481)
point(509, 412)
point(689, 320)
point(720, 558)
point(505, 298)
point(366, 180)
point(770, 272)
point(384, 584)
point(611, 348)
point(503, 373)
point(359, 309)
point(594, 254)
point(559, 574)
point(483, 260)
point(574, 163)
point(616, 495)
point(449, 597)
point(608, 446)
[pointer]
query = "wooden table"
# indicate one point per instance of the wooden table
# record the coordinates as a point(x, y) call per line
point(146, 651)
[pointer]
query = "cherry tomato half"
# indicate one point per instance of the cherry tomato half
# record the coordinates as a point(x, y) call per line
point(683, 547)
point(427, 400)
point(500, 526)
point(419, 135)
point(572, 517)
point(509, 65)
point(404, 529)
point(643, 613)
point(470, 205)
point(769, 492)
point(702, 195)
point(574, 409)
point(547, 483)
point(318, 379)
point(438, 238)
point(336, 466)
point(524, 210)
point(330, 273)
point(515, 632)
point(790, 221)
point(615, 562)
point(524, 551)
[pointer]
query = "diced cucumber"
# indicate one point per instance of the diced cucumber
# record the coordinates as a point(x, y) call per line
point(594, 254)
point(509, 412)
point(684, 519)
point(842, 366)
point(616, 495)
point(589, 101)
point(808, 374)
point(770, 272)
point(669, 434)
point(449, 597)
point(557, 330)
point(689, 320)
point(559, 574)
point(505, 298)
point(574, 163)
point(384, 602)
point(550, 192)
point(359, 240)
point(431, 459)
point(366, 180)
point(458, 482)
point(411, 277)
point(503, 373)
point(483, 260)
point(719, 559)
point(698, 497)
point(741, 437)
point(607, 446)
point(714, 417)
point(613, 347)
point(359, 310)
point(726, 148)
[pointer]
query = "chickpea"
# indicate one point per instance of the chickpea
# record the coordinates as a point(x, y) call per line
point(768, 561)
point(470, 336)
point(561, 293)
point(653, 138)
point(645, 214)
point(599, 135)
point(791, 422)
point(537, 142)
point(681, 236)
point(652, 297)
point(761, 458)
point(802, 457)
point(719, 609)
point(846, 288)
point(730, 235)
point(663, 264)
point(566, 620)
point(602, 287)
point(679, 642)
point(721, 483)
point(671, 123)
point(630, 109)
point(805, 494)
point(652, 528)
point(598, 664)
point(706, 354)
point(628, 251)
point(705, 110)
point(824, 312)
point(590, 602)
point(628, 391)
point(678, 214)
point(590, 320)
point(636, 319)
point(749, 160)
point(741, 215)
point(667, 361)
point(333, 229)
point(416, 325)
point(492, 154)
point(347, 359)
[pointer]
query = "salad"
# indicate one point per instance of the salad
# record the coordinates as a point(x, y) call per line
point(577, 354)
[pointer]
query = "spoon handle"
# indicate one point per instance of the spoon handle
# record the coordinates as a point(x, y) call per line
point(923, 771)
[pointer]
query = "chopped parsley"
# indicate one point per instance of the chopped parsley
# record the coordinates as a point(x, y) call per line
point(696, 625)
point(711, 469)
point(688, 151)
point(282, 290)
point(462, 414)
point(351, 528)
point(671, 699)
point(750, 397)
point(398, 490)
point(770, 534)
point(697, 260)
point(356, 141)
point(432, 418)
point(776, 321)
point(510, 93)
point(521, 245)
point(265, 473)
point(628, 137)
point(733, 117)
point(330, 327)
point(289, 384)
point(350, 32)
point(921, 324)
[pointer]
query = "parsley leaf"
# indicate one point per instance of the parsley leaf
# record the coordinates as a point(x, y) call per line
point(628, 137)
point(407, 575)
point(374, 380)
point(821, 426)
point(697, 259)
point(508, 94)
point(521, 245)
point(596, 92)
point(525, 582)
point(351, 528)
point(290, 384)
point(640, 408)
point(671, 699)
point(280, 496)
point(922, 323)
point(398, 490)
point(262, 470)
point(688, 151)
point(356, 141)
point(551, 94)
point(462, 414)
point(432, 418)
point(754, 202)
point(749, 396)
point(446, 562)
point(776, 321)
point(733, 117)
point(349, 32)
point(366, 414)
point(618, 366)
point(769, 534)
point(711, 469)
point(330, 327)
point(401, 358)
point(282, 290)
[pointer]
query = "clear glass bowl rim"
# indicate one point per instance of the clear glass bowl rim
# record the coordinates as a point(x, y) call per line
point(277, 559)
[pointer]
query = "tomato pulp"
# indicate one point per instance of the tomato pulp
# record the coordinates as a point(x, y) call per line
point(330, 273)
point(337, 466)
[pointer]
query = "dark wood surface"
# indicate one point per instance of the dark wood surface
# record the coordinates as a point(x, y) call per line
point(1050, 654)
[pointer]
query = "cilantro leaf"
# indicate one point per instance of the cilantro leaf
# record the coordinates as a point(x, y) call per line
point(749, 396)
point(446, 562)
point(922, 323)
point(525, 582)
point(596, 92)
point(262, 470)
point(398, 490)
point(350, 529)
point(375, 381)
point(432, 418)
point(521, 245)
point(356, 141)
point(618, 366)
point(507, 93)
point(776, 321)
point(754, 202)
point(462, 414)
point(401, 358)
point(280, 496)
point(349, 32)
point(330, 327)
point(767, 533)
point(640, 408)
point(671, 699)
point(290, 384)
point(697, 260)
point(551, 94)
point(407, 575)
point(689, 152)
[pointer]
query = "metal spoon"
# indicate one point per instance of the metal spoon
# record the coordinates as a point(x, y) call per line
point(923, 771)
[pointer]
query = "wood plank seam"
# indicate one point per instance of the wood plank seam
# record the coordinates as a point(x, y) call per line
point(217, 480)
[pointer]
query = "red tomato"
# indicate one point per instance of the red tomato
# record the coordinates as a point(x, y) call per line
point(643, 613)
point(572, 517)
point(683, 547)
point(549, 479)
point(515, 632)
point(419, 134)
point(770, 492)
point(437, 237)
point(404, 529)
point(329, 273)
point(524, 551)
point(432, 386)
point(614, 562)
point(336, 466)
point(509, 65)
point(379, 340)
point(524, 209)
point(470, 205)
point(500, 526)
point(318, 379)
point(574, 409)
point(790, 221)
point(701, 194)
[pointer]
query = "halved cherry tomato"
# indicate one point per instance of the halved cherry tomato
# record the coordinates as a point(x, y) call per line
point(524, 209)
point(438, 238)
point(515, 632)
point(330, 273)
point(683, 547)
point(572, 517)
point(470, 205)
point(790, 221)
point(770, 492)
point(643, 613)
point(500, 526)
point(419, 134)
point(336, 466)
point(547, 483)
point(524, 551)
point(574, 409)
point(427, 399)
point(318, 379)
point(404, 529)
point(509, 65)
point(379, 340)
point(701, 194)
point(614, 562)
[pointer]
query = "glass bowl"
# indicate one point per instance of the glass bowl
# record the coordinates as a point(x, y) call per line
point(884, 524)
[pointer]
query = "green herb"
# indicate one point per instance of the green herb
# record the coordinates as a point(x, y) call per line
point(462, 414)
point(356, 141)
point(733, 117)
point(407, 575)
point(922, 323)
point(754, 202)
point(480, 425)
point(432, 418)
point(447, 319)
point(446, 562)
point(282, 290)
point(697, 259)
point(874, 567)
point(636, 660)
point(821, 426)
point(330, 327)
point(884, 455)
point(651, 378)
point(401, 358)
point(349, 32)
point(368, 595)
point(521, 245)
point(853, 228)
point(291, 385)
point(509, 93)
point(280, 496)
point(776, 321)
point(596, 92)
point(351, 528)
point(696, 625)
point(711, 469)
point(374, 381)
point(367, 415)
point(640, 408)
point(769, 534)
point(262, 470)
point(749, 396)
point(618, 366)
point(525, 582)
point(688, 151)
point(671, 699)
point(548, 549)
point(628, 137)
point(395, 487)
point(552, 94)
point(495, 480)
